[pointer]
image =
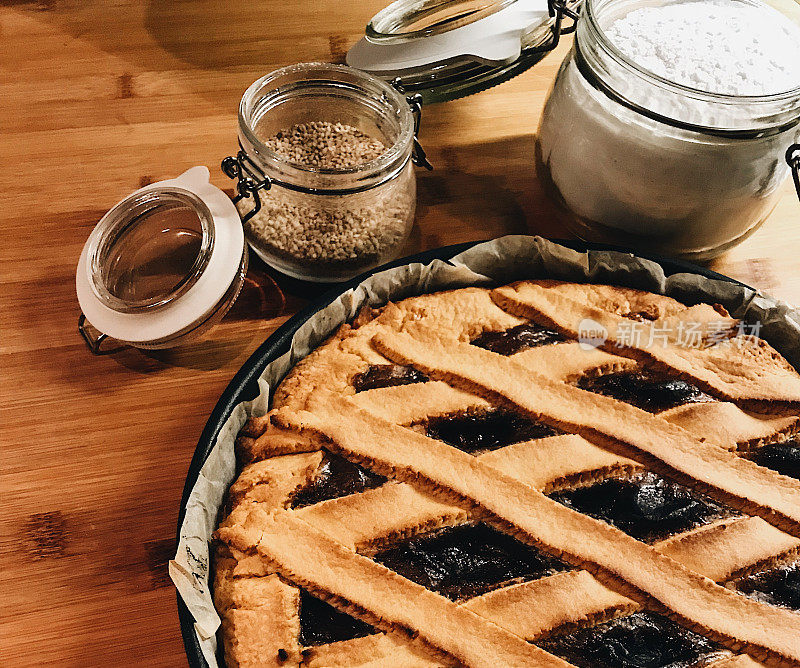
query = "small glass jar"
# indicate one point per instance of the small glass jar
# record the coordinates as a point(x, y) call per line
point(639, 161)
point(326, 224)
point(163, 266)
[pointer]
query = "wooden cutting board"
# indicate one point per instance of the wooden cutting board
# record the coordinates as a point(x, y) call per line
point(98, 100)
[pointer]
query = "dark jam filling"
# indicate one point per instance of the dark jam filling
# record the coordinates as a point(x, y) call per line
point(779, 586)
point(473, 432)
point(336, 477)
point(387, 375)
point(781, 457)
point(517, 339)
point(321, 623)
point(643, 640)
point(467, 560)
point(645, 390)
point(645, 505)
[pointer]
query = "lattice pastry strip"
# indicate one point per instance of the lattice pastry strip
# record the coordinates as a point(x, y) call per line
point(624, 302)
point(726, 424)
point(568, 360)
point(729, 547)
point(370, 518)
point(407, 404)
point(247, 606)
point(380, 650)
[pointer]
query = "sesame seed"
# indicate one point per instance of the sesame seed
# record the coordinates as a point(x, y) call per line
point(351, 231)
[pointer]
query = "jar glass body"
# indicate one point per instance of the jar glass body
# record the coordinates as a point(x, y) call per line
point(329, 224)
point(636, 161)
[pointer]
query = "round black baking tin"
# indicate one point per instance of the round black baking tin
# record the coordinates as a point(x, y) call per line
point(244, 385)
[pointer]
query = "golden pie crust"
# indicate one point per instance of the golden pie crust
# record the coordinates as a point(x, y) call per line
point(267, 549)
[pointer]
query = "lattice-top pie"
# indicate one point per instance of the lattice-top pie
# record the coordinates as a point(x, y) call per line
point(469, 478)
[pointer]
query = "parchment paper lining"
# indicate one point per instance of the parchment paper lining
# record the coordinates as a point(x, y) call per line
point(495, 262)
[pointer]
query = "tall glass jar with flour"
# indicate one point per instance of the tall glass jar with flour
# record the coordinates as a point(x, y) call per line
point(668, 125)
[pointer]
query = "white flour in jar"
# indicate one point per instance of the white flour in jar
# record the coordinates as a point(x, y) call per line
point(715, 46)
point(677, 187)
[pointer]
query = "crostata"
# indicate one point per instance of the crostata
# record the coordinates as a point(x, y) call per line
point(542, 474)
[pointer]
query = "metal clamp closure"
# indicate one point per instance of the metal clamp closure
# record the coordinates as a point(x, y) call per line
point(93, 342)
point(418, 156)
point(250, 179)
point(559, 11)
point(793, 158)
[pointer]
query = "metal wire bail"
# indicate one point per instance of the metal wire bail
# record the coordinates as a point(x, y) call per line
point(418, 156)
point(793, 158)
point(559, 11)
point(250, 179)
point(92, 342)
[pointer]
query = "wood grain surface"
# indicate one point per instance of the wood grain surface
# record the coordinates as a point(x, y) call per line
point(99, 98)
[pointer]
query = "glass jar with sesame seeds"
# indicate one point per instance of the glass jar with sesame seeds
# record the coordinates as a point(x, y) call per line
point(326, 184)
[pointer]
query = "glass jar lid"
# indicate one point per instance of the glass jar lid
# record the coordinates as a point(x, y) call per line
point(160, 260)
point(446, 49)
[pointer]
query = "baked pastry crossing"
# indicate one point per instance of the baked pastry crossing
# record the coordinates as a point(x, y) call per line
point(542, 474)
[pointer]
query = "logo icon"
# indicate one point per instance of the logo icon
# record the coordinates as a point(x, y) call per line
point(591, 334)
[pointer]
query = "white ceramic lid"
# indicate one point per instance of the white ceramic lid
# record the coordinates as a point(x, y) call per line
point(191, 305)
